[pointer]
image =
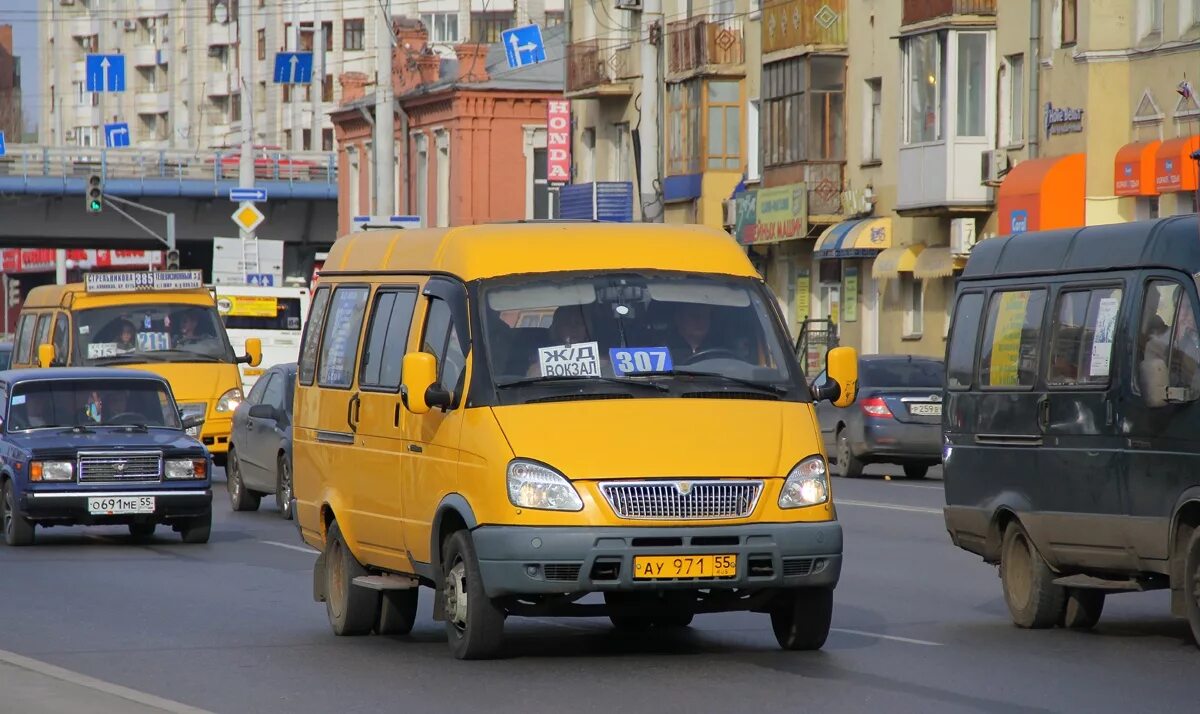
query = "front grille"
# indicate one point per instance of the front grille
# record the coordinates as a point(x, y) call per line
point(562, 571)
point(682, 500)
point(120, 466)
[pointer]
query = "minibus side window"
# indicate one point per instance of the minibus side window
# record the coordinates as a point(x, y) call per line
point(307, 368)
point(387, 339)
point(24, 345)
point(62, 327)
point(43, 331)
point(960, 360)
point(339, 343)
point(1081, 337)
point(441, 340)
point(1168, 347)
point(1012, 338)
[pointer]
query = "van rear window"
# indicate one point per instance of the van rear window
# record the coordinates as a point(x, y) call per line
point(1010, 350)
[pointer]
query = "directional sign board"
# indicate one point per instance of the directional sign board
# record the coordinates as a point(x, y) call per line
point(3, 148)
point(239, 195)
point(116, 135)
point(260, 280)
point(523, 46)
point(362, 223)
point(105, 73)
point(293, 67)
point(247, 217)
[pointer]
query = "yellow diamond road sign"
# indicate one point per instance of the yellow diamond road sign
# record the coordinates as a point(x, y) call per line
point(248, 217)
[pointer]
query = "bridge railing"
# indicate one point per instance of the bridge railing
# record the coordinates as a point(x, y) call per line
point(208, 165)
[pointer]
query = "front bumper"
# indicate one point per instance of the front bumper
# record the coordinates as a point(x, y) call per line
point(67, 508)
point(514, 560)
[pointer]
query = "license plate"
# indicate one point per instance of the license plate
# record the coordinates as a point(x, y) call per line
point(656, 567)
point(925, 409)
point(116, 505)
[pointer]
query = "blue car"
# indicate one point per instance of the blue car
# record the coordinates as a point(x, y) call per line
point(99, 447)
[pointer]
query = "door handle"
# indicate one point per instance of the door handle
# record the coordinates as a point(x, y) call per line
point(1044, 412)
point(415, 448)
point(352, 412)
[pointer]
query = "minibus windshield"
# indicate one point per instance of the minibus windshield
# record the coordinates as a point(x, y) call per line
point(148, 333)
point(693, 332)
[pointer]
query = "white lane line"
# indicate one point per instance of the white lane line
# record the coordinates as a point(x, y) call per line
point(893, 638)
point(889, 506)
point(82, 680)
point(289, 546)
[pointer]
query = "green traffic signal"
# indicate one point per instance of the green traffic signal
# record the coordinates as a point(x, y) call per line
point(94, 206)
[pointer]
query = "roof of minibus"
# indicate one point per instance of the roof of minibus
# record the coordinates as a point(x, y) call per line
point(1166, 243)
point(74, 295)
point(492, 250)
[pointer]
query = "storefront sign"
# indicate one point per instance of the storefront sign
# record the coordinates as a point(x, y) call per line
point(780, 214)
point(1129, 181)
point(1019, 222)
point(745, 216)
point(558, 141)
point(803, 300)
point(1063, 120)
point(850, 288)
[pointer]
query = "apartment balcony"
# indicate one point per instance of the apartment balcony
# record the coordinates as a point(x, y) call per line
point(79, 71)
point(602, 67)
point(218, 84)
point(705, 45)
point(803, 23)
point(152, 8)
point(222, 34)
point(918, 11)
point(85, 26)
point(152, 102)
point(943, 177)
point(147, 56)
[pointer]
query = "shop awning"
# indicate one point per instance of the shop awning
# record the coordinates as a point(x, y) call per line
point(893, 261)
point(863, 238)
point(1133, 170)
point(1174, 168)
point(934, 263)
point(1039, 194)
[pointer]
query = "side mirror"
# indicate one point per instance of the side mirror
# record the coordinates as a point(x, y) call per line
point(841, 383)
point(45, 355)
point(192, 421)
point(253, 356)
point(420, 375)
point(262, 411)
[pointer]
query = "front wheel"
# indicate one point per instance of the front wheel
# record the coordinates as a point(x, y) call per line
point(198, 530)
point(17, 530)
point(801, 618)
point(1033, 600)
point(283, 487)
point(1191, 584)
point(141, 531)
point(240, 498)
point(847, 465)
point(915, 471)
point(474, 625)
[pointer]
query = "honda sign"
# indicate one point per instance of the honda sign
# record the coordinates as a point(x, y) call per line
point(558, 141)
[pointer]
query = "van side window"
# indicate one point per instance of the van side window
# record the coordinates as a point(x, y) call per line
point(312, 331)
point(62, 339)
point(1011, 338)
point(24, 347)
point(387, 339)
point(1081, 337)
point(442, 341)
point(339, 341)
point(960, 363)
point(1168, 350)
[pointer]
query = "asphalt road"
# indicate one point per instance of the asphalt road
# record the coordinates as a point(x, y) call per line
point(231, 627)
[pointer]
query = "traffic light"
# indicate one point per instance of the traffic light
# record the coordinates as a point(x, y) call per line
point(94, 195)
point(14, 292)
point(172, 260)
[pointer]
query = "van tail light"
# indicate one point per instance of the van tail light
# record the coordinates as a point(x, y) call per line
point(876, 407)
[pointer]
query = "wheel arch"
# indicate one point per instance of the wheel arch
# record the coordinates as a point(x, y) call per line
point(1185, 519)
point(453, 514)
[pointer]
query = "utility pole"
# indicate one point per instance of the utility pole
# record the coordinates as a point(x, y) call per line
point(246, 159)
point(651, 35)
point(297, 131)
point(318, 80)
point(384, 142)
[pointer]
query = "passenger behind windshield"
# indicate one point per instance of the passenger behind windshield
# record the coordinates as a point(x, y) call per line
point(89, 403)
point(150, 333)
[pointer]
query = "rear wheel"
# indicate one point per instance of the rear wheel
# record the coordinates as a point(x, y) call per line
point(847, 465)
point(801, 618)
point(915, 471)
point(397, 611)
point(352, 610)
point(240, 498)
point(141, 530)
point(283, 487)
point(1191, 584)
point(1083, 608)
point(197, 530)
point(17, 530)
point(1033, 600)
point(474, 625)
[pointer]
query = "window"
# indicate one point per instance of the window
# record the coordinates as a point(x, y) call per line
point(620, 153)
point(306, 37)
point(339, 344)
point(327, 89)
point(327, 35)
point(235, 107)
point(62, 340)
point(553, 17)
point(753, 148)
point(1016, 98)
point(441, 26)
point(802, 108)
point(24, 347)
point(972, 83)
point(684, 130)
point(1011, 338)
point(873, 134)
point(1070, 22)
point(1081, 337)
point(387, 339)
point(544, 200)
point(352, 35)
point(43, 332)
point(914, 305)
point(923, 79)
point(327, 139)
point(442, 341)
point(724, 126)
point(308, 348)
point(276, 392)
point(1168, 347)
point(487, 26)
point(256, 394)
point(261, 43)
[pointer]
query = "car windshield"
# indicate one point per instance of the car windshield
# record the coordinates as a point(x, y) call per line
point(597, 328)
point(150, 332)
point(69, 403)
point(901, 373)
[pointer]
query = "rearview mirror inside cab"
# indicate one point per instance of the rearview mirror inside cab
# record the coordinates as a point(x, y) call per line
point(420, 375)
point(841, 378)
point(46, 355)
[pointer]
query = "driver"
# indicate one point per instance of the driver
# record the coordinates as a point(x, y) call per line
point(189, 330)
point(693, 332)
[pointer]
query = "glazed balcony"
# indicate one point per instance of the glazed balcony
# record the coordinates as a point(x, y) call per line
point(601, 67)
point(916, 11)
point(708, 44)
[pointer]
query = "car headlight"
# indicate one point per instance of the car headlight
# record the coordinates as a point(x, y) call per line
point(229, 400)
point(51, 471)
point(532, 485)
point(186, 468)
point(806, 484)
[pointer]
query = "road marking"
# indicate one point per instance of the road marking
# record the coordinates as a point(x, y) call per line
point(888, 506)
point(82, 680)
point(893, 638)
point(289, 546)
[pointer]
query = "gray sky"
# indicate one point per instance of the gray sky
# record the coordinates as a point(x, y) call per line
point(22, 15)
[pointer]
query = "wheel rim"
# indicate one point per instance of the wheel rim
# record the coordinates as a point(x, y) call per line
point(1019, 572)
point(456, 595)
point(337, 571)
point(1196, 587)
point(285, 487)
point(843, 455)
point(8, 511)
point(234, 479)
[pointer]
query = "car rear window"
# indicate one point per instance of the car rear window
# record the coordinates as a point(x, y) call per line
point(902, 373)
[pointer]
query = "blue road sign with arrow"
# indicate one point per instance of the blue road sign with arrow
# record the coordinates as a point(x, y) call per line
point(260, 280)
point(3, 148)
point(116, 135)
point(293, 67)
point(105, 73)
point(257, 195)
point(523, 46)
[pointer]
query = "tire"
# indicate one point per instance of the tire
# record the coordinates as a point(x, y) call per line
point(240, 498)
point(474, 625)
point(915, 471)
point(352, 610)
point(1083, 608)
point(631, 623)
point(142, 531)
point(17, 530)
point(676, 621)
point(1191, 584)
point(801, 618)
point(1033, 600)
point(848, 465)
point(198, 530)
point(397, 611)
point(283, 487)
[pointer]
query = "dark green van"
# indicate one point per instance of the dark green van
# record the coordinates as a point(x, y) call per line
point(1072, 417)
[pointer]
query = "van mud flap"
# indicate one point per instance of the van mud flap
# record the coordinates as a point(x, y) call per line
point(319, 578)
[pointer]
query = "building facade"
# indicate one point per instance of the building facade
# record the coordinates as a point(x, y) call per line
point(12, 122)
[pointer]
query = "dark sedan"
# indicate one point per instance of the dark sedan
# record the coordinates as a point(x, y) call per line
point(897, 418)
point(260, 447)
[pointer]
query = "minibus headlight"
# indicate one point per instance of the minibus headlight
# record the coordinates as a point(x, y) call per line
point(51, 471)
point(230, 400)
point(532, 485)
point(806, 484)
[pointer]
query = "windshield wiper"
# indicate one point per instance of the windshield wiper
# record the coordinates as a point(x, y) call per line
point(112, 359)
point(773, 388)
point(575, 377)
point(128, 427)
point(196, 356)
